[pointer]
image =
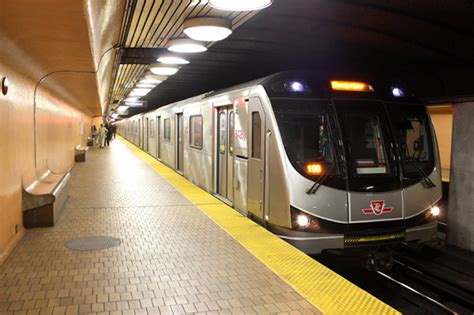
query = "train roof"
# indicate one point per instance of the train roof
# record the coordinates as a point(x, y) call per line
point(316, 84)
point(216, 93)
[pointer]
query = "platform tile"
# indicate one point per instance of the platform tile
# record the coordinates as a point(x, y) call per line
point(172, 259)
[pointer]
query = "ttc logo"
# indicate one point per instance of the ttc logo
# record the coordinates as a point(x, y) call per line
point(377, 207)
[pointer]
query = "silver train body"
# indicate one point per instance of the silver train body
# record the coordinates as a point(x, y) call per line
point(321, 168)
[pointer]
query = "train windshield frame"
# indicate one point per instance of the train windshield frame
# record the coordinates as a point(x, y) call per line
point(412, 129)
point(369, 145)
point(307, 131)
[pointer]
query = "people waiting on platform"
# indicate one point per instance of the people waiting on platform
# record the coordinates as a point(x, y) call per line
point(102, 135)
point(109, 134)
point(94, 135)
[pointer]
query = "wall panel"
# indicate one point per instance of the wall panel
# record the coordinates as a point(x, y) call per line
point(58, 131)
point(442, 118)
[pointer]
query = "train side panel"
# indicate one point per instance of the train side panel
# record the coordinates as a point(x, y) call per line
point(150, 133)
point(198, 159)
point(168, 148)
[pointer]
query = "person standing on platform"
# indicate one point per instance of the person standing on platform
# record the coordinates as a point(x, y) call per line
point(94, 135)
point(102, 135)
point(114, 130)
point(109, 134)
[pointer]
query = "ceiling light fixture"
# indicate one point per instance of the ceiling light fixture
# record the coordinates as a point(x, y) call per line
point(208, 29)
point(185, 45)
point(122, 108)
point(150, 78)
point(160, 69)
point(139, 92)
point(131, 99)
point(150, 75)
point(146, 85)
point(172, 60)
point(150, 81)
point(240, 5)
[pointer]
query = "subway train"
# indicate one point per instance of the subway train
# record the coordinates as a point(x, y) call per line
point(323, 162)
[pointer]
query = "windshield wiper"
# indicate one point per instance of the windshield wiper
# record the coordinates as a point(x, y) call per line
point(425, 180)
point(314, 188)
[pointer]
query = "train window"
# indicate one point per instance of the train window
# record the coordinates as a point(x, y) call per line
point(365, 138)
point(412, 130)
point(167, 129)
point(195, 132)
point(369, 154)
point(222, 132)
point(231, 132)
point(304, 129)
point(152, 128)
point(369, 145)
point(256, 135)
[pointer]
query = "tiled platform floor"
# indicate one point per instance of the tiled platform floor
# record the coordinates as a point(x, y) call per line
point(172, 258)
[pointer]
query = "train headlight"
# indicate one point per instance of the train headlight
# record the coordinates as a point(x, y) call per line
point(435, 211)
point(302, 220)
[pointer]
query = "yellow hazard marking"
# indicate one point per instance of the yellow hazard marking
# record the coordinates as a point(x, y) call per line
point(325, 289)
point(375, 238)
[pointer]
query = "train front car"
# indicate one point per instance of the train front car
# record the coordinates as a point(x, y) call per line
point(360, 160)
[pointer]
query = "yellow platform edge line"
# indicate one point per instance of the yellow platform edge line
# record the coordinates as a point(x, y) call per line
point(320, 286)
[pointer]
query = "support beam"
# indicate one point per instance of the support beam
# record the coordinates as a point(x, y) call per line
point(461, 191)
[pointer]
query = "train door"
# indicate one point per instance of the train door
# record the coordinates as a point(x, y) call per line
point(143, 129)
point(256, 165)
point(180, 142)
point(147, 134)
point(158, 136)
point(230, 155)
point(225, 152)
point(139, 133)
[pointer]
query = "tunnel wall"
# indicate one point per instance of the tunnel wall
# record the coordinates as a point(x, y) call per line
point(442, 118)
point(60, 127)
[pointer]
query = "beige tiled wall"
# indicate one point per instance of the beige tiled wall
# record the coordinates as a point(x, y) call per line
point(442, 117)
point(58, 131)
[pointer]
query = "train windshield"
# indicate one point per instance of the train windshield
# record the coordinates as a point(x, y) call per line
point(369, 145)
point(413, 133)
point(305, 130)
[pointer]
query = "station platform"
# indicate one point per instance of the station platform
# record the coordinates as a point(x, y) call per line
point(181, 250)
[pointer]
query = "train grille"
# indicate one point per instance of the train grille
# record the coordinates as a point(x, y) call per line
point(364, 239)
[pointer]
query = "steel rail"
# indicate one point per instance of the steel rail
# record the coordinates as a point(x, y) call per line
point(424, 296)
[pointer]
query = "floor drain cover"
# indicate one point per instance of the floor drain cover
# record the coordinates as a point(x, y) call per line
point(92, 243)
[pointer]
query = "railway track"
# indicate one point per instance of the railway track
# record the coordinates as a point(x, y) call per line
point(421, 281)
point(436, 305)
point(450, 279)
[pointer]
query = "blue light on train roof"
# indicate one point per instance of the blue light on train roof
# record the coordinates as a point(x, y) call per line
point(397, 92)
point(296, 86)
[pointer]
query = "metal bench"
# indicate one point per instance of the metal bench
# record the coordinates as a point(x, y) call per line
point(80, 153)
point(44, 199)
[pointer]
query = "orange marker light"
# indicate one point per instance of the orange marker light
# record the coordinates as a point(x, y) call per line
point(314, 169)
point(351, 86)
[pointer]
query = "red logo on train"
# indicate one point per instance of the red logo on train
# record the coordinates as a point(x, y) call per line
point(377, 207)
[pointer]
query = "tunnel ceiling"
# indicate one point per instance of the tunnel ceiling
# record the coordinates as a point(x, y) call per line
point(429, 43)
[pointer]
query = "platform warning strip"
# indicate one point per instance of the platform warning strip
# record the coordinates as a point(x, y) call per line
point(326, 290)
